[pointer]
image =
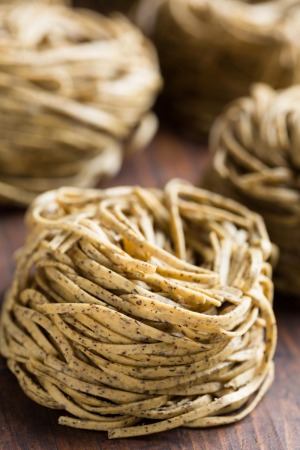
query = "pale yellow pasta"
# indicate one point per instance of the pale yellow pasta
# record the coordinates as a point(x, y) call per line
point(256, 159)
point(76, 91)
point(212, 50)
point(117, 318)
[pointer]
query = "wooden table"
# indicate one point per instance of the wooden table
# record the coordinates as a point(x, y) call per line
point(275, 424)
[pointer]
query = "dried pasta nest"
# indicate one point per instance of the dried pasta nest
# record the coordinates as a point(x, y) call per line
point(76, 89)
point(211, 51)
point(256, 159)
point(133, 305)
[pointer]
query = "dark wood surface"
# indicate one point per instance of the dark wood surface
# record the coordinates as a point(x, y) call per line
point(106, 6)
point(275, 424)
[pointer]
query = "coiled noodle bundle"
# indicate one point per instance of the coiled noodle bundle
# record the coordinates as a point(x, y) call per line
point(76, 89)
point(131, 304)
point(256, 159)
point(212, 50)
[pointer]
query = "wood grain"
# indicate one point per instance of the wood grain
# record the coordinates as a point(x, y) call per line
point(274, 425)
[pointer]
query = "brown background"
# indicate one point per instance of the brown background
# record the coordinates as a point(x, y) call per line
point(106, 6)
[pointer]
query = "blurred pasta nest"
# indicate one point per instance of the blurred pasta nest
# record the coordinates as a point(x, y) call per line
point(256, 159)
point(211, 51)
point(76, 89)
point(131, 304)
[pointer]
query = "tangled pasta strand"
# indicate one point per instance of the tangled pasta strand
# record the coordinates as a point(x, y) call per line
point(76, 89)
point(256, 159)
point(131, 304)
point(211, 51)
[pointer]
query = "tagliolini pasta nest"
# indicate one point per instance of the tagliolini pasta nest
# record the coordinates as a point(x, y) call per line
point(221, 48)
point(76, 89)
point(256, 159)
point(131, 304)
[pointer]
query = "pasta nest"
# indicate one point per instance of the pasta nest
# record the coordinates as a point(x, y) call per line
point(256, 159)
point(76, 89)
point(131, 304)
point(221, 48)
